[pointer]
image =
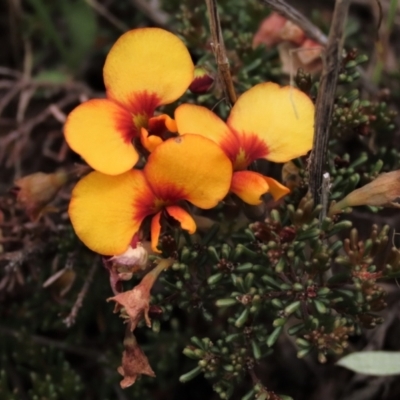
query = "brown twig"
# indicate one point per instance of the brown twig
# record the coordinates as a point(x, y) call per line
point(20, 136)
point(325, 99)
point(10, 72)
point(325, 189)
point(112, 19)
point(42, 340)
point(28, 84)
point(219, 50)
point(299, 19)
point(71, 317)
point(153, 12)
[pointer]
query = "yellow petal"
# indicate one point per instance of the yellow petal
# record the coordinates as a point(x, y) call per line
point(183, 217)
point(282, 118)
point(249, 186)
point(276, 189)
point(199, 120)
point(155, 232)
point(106, 211)
point(189, 167)
point(101, 132)
point(151, 61)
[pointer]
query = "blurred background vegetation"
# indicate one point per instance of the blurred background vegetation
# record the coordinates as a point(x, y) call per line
point(53, 346)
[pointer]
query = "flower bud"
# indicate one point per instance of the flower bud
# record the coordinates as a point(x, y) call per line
point(383, 191)
point(35, 191)
point(202, 81)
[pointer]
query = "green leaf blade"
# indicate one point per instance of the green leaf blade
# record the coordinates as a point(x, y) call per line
point(379, 363)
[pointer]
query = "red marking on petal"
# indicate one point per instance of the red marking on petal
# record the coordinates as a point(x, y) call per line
point(145, 202)
point(144, 103)
point(141, 106)
point(231, 146)
point(244, 148)
point(143, 209)
point(124, 124)
point(170, 194)
point(157, 126)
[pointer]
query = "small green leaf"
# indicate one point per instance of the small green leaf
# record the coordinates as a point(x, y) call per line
point(52, 76)
point(81, 26)
point(380, 363)
point(190, 375)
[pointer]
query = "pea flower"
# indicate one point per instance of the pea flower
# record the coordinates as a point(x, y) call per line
point(107, 211)
point(267, 121)
point(145, 68)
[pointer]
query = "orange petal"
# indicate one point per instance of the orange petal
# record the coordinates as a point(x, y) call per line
point(149, 142)
point(189, 167)
point(183, 217)
point(101, 131)
point(155, 232)
point(154, 134)
point(147, 60)
point(249, 186)
point(162, 123)
point(282, 118)
point(276, 189)
point(106, 211)
point(201, 121)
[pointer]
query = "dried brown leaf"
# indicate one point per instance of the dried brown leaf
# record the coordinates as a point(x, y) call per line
point(134, 362)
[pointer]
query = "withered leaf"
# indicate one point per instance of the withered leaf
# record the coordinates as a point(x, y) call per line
point(134, 362)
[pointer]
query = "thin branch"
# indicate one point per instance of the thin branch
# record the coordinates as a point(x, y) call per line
point(43, 340)
point(325, 99)
point(219, 50)
point(152, 10)
point(299, 19)
point(10, 72)
point(112, 19)
point(28, 84)
point(71, 317)
point(20, 135)
point(326, 186)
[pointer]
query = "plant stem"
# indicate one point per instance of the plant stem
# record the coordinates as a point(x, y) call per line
point(71, 317)
point(219, 50)
point(325, 99)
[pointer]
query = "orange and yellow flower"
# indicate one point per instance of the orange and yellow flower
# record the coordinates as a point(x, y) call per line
point(268, 121)
point(107, 211)
point(145, 68)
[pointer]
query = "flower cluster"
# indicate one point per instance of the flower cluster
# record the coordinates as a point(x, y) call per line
point(150, 167)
